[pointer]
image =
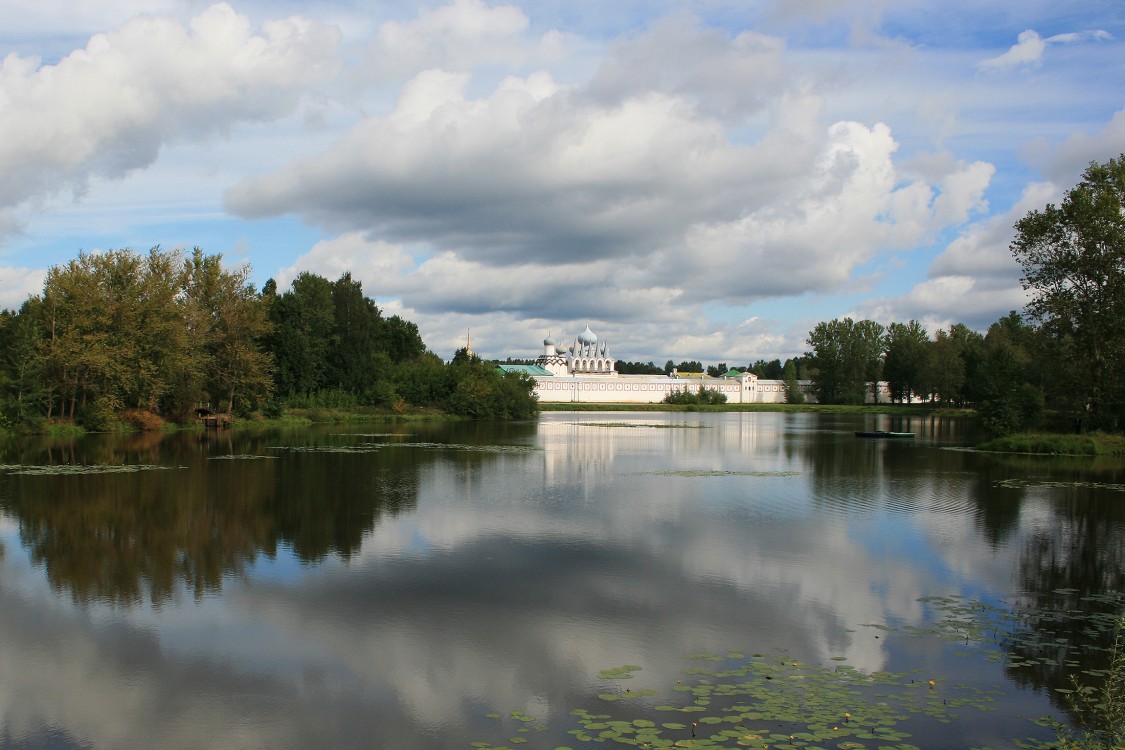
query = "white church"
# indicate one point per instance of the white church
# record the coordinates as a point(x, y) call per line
point(585, 371)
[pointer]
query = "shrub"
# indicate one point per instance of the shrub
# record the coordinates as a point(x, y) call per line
point(143, 420)
point(705, 397)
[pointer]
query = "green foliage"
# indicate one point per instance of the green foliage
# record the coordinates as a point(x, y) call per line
point(304, 320)
point(907, 352)
point(703, 397)
point(637, 368)
point(772, 370)
point(483, 391)
point(23, 391)
point(1073, 261)
point(685, 366)
point(1088, 444)
point(1100, 710)
point(121, 340)
point(118, 330)
point(846, 356)
point(1007, 402)
point(793, 392)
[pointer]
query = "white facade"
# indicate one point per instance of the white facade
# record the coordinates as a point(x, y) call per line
point(648, 389)
point(585, 372)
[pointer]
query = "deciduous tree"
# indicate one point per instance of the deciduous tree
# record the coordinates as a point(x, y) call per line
point(1073, 260)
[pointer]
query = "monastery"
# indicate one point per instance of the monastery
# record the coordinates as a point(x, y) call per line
point(585, 371)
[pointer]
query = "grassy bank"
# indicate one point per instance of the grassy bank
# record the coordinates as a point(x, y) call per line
point(1090, 444)
point(305, 417)
point(896, 409)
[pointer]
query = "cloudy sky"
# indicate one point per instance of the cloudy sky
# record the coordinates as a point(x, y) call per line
point(703, 179)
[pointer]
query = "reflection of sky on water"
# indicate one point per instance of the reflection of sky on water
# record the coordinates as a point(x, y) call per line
point(510, 584)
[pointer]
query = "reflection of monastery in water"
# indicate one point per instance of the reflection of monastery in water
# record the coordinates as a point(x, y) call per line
point(585, 371)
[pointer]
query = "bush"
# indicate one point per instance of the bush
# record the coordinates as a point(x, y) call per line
point(143, 420)
point(705, 397)
point(100, 414)
point(273, 409)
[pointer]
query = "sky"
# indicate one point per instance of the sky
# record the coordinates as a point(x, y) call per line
point(697, 180)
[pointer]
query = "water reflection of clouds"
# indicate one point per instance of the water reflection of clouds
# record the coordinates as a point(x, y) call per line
point(508, 585)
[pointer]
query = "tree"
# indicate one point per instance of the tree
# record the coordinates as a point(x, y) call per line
point(400, 340)
point(230, 324)
point(846, 356)
point(1073, 261)
point(906, 350)
point(771, 370)
point(637, 368)
point(113, 333)
point(23, 394)
point(793, 392)
point(356, 323)
point(1008, 401)
point(304, 320)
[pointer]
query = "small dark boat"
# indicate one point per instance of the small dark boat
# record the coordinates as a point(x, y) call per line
point(882, 434)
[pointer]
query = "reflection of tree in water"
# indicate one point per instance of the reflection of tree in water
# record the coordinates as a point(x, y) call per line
point(122, 538)
point(326, 503)
point(1072, 570)
point(118, 538)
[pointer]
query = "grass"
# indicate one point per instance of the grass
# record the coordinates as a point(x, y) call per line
point(1057, 444)
point(332, 415)
point(899, 409)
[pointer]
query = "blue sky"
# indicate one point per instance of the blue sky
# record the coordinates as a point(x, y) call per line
point(697, 180)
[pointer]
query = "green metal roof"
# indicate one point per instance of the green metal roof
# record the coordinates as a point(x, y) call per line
point(525, 369)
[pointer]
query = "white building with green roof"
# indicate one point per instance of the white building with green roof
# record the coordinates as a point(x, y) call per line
point(585, 371)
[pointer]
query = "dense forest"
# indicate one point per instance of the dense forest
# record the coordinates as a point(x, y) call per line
point(120, 339)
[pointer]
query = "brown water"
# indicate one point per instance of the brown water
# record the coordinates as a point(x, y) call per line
point(393, 586)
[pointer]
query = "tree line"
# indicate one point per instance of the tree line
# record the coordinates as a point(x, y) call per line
point(121, 338)
point(1065, 357)
point(1001, 372)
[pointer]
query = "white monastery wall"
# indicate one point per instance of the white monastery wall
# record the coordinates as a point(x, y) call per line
point(647, 389)
point(584, 373)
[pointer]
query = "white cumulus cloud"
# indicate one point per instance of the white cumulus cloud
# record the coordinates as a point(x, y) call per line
point(109, 108)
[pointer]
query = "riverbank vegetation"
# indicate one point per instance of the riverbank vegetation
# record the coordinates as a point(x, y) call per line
point(1086, 444)
point(124, 341)
point(1060, 366)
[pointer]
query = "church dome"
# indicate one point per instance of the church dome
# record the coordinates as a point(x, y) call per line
point(548, 341)
point(587, 337)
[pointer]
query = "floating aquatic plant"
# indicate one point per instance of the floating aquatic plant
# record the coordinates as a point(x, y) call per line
point(731, 700)
point(718, 473)
point(239, 457)
point(74, 469)
point(1024, 483)
point(648, 425)
point(761, 702)
point(375, 447)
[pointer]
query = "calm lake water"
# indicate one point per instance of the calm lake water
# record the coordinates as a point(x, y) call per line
point(432, 586)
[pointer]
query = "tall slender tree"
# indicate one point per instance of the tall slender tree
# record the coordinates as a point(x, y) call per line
point(906, 350)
